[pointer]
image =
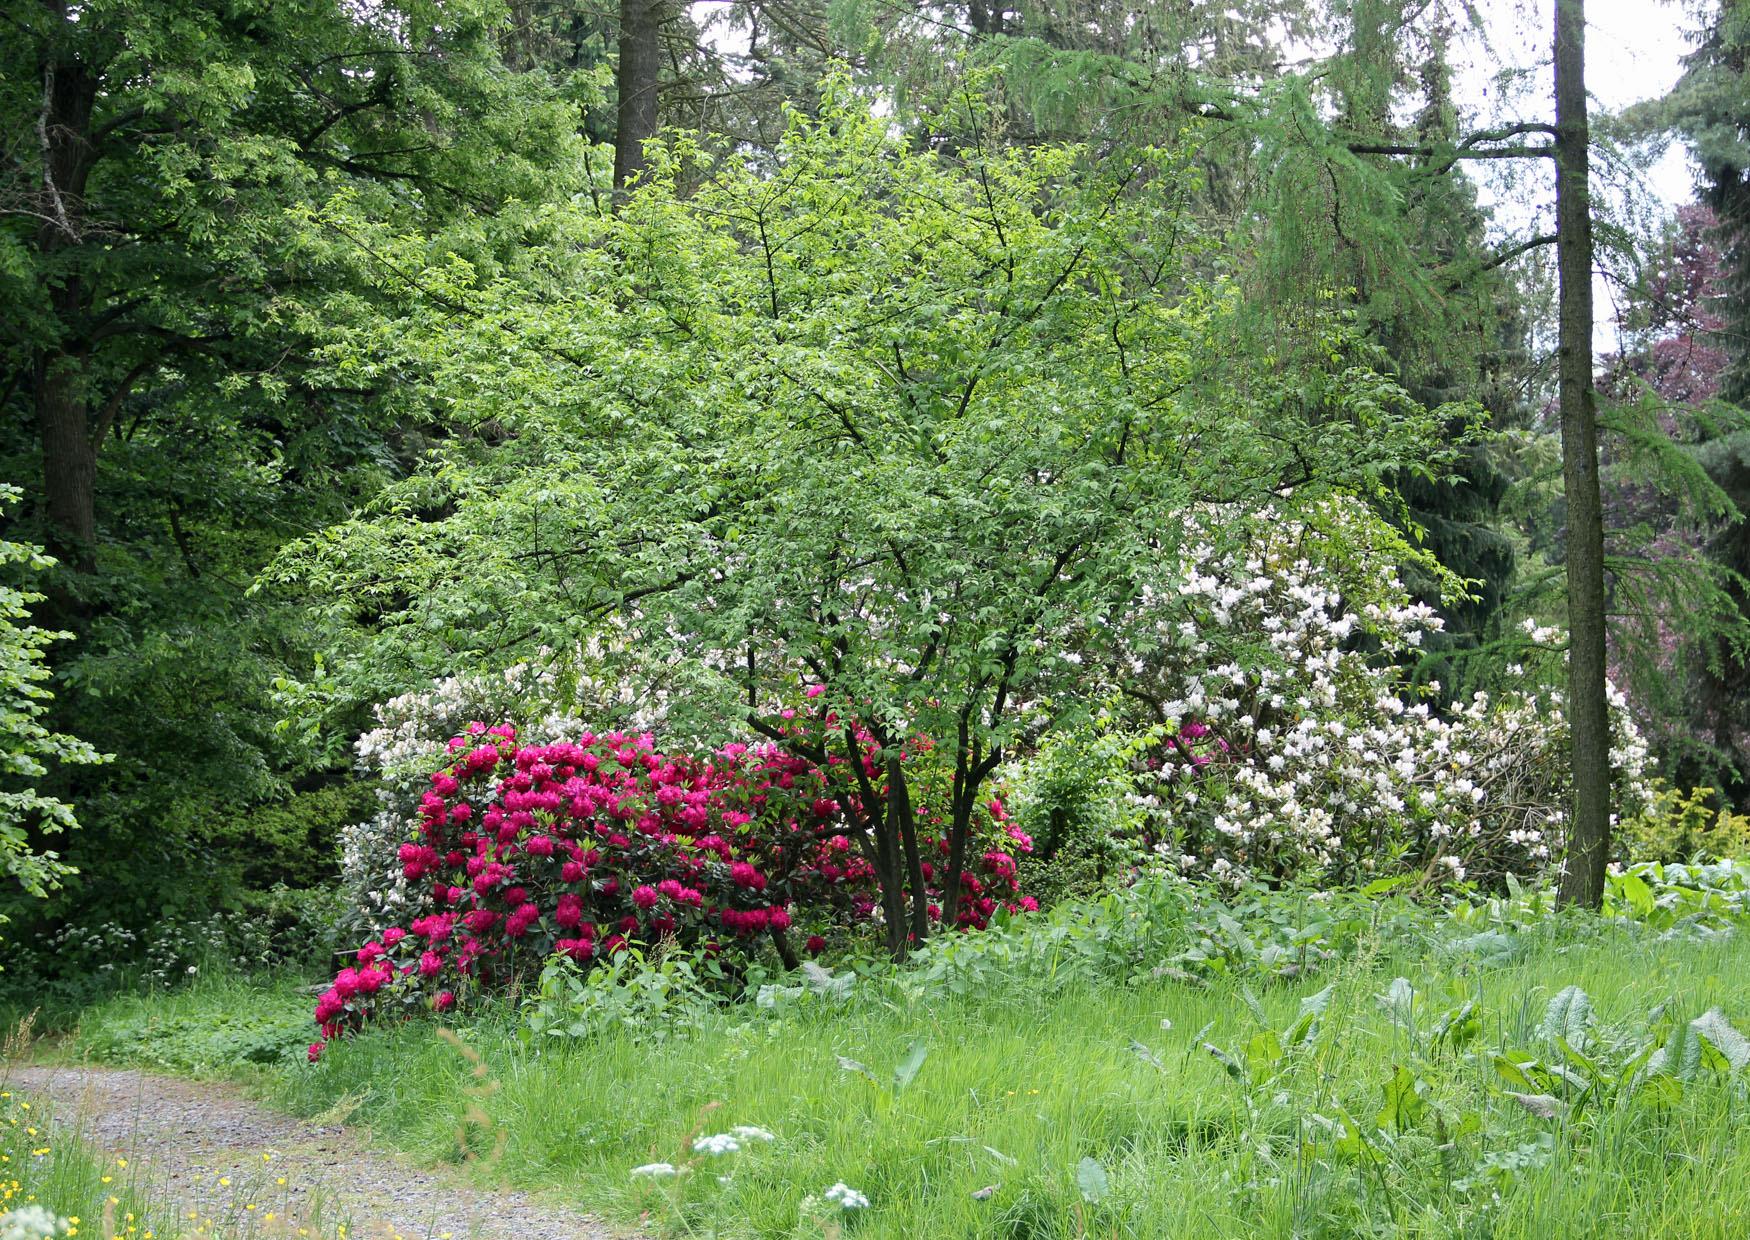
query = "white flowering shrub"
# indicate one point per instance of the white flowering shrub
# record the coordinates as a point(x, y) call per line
point(547, 700)
point(1288, 741)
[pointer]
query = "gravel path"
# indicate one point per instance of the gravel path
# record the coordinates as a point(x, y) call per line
point(201, 1145)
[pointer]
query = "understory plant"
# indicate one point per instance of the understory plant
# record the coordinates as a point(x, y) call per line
point(588, 848)
point(1261, 725)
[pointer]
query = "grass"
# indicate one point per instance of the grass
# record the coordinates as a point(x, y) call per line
point(96, 1195)
point(1090, 1107)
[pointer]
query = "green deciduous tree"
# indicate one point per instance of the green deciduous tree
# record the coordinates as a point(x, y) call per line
point(917, 430)
point(167, 283)
point(27, 743)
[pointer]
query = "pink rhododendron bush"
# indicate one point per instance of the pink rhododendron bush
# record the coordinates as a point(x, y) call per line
point(587, 847)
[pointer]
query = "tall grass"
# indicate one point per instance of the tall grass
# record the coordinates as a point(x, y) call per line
point(1021, 1089)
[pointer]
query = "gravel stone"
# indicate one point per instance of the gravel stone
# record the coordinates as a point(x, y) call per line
point(185, 1136)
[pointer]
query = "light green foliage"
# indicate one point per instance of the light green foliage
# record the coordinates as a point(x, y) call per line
point(652, 997)
point(1686, 826)
point(1077, 798)
point(907, 425)
point(28, 745)
point(205, 1041)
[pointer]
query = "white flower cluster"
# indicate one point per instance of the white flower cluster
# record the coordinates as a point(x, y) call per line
point(548, 699)
point(1296, 746)
point(655, 1171)
point(33, 1223)
point(720, 1143)
point(846, 1197)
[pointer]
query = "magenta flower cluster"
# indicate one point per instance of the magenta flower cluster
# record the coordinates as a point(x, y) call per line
point(588, 847)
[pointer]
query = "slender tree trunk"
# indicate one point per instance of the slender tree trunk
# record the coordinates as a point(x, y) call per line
point(635, 79)
point(899, 796)
point(892, 879)
point(960, 826)
point(63, 127)
point(786, 953)
point(1588, 711)
point(879, 840)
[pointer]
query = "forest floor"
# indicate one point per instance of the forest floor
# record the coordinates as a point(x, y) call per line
point(227, 1164)
point(1510, 1073)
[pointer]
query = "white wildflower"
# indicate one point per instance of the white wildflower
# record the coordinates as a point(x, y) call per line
point(846, 1196)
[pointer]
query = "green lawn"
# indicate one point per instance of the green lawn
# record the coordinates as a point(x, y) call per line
point(1082, 1101)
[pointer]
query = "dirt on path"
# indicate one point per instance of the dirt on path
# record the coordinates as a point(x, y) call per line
point(206, 1147)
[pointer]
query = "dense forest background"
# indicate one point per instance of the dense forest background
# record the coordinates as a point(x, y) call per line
point(285, 293)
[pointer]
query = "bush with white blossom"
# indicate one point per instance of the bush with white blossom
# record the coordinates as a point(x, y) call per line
point(547, 699)
point(1286, 740)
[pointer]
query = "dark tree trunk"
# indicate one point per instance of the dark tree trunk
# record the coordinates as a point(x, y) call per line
point(69, 459)
point(1588, 710)
point(960, 826)
point(879, 840)
point(892, 876)
point(635, 79)
point(786, 953)
point(899, 797)
point(63, 128)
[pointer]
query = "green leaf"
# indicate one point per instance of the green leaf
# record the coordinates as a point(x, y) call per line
point(1513, 1072)
point(1147, 1055)
point(1263, 1054)
point(1399, 999)
point(1234, 1067)
point(1403, 1104)
point(1713, 1043)
point(1091, 1180)
point(907, 1070)
point(1659, 1089)
point(1568, 1016)
point(1635, 891)
point(861, 1069)
point(1544, 1106)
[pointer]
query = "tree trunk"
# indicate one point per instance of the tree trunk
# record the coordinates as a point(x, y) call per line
point(786, 953)
point(63, 127)
point(1588, 711)
point(891, 875)
point(960, 826)
point(635, 79)
point(899, 796)
point(69, 459)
